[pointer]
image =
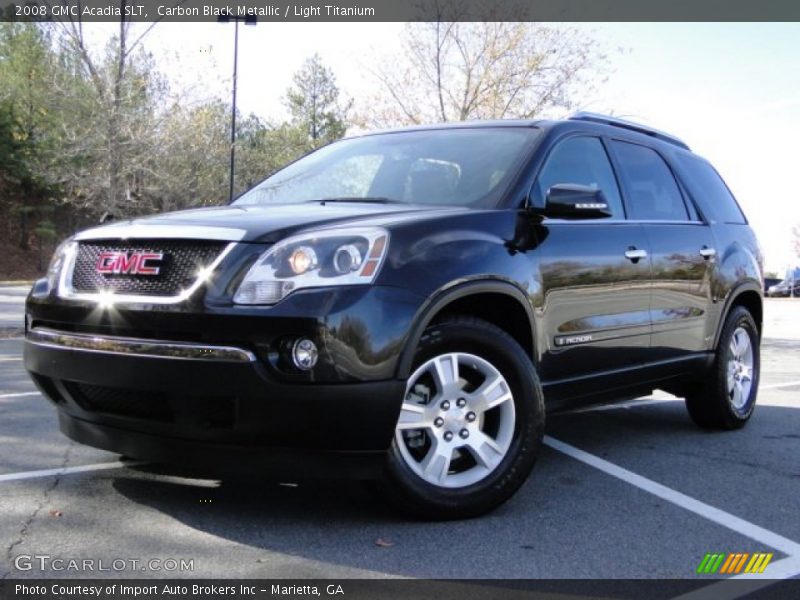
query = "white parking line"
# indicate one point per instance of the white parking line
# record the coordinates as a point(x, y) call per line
point(19, 394)
point(190, 481)
point(66, 470)
point(774, 386)
point(732, 522)
point(10, 358)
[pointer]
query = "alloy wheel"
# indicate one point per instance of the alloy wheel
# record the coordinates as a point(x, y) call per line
point(457, 420)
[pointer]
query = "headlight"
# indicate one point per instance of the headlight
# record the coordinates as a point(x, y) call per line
point(60, 256)
point(332, 257)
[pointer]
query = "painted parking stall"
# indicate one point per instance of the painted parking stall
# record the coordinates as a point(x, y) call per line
point(658, 489)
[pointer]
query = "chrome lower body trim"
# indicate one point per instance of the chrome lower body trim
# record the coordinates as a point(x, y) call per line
point(138, 347)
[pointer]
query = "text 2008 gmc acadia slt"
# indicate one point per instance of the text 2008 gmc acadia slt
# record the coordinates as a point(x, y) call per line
point(406, 305)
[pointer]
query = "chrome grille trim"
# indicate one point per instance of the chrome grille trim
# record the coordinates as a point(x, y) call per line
point(66, 290)
point(127, 230)
point(42, 336)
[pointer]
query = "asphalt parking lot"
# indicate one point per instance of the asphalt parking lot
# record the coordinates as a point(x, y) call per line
point(631, 491)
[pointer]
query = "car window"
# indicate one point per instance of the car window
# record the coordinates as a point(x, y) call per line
point(709, 190)
point(653, 192)
point(350, 177)
point(581, 160)
point(463, 167)
point(429, 177)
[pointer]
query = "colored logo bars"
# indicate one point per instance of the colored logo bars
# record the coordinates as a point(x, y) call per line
point(734, 563)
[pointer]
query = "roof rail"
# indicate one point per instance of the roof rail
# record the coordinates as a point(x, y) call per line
point(608, 120)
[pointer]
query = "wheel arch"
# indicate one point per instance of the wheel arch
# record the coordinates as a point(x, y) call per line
point(497, 302)
point(749, 296)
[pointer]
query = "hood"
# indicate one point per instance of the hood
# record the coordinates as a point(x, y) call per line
point(260, 223)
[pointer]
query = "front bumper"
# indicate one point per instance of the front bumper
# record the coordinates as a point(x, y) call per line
point(220, 409)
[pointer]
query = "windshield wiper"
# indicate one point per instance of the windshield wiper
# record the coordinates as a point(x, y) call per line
point(354, 199)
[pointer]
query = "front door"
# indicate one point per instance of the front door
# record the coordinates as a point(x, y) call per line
point(595, 274)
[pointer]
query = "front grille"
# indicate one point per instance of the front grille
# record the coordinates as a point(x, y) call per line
point(120, 402)
point(178, 270)
point(201, 412)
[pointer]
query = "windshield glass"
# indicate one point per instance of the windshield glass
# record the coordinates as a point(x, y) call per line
point(465, 167)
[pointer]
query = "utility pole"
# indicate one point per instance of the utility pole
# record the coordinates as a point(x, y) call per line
point(248, 20)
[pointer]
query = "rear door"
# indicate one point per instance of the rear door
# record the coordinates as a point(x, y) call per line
point(681, 247)
point(595, 274)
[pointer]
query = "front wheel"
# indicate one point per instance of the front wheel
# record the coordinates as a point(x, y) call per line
point(471, 422)
point(727, 398)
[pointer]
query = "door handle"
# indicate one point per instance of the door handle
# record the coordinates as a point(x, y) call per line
point(707, 252)
point(633, 254)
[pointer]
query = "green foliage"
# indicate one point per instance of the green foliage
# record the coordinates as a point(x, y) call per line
point(263, 148)
point(45, 230)
point(193, 159)
point(13, 148)
point(315, 105)
point(26, 119)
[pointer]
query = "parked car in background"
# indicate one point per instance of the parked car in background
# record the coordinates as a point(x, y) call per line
point(784, 289)
point(790, 286)
point(769, 282)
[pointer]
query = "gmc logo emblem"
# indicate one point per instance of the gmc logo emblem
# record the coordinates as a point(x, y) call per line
point(128, 263)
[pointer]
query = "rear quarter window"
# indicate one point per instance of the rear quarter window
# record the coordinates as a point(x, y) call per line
point(709, 190)
point(653, 193)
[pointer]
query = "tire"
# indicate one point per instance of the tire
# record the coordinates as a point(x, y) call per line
point(464, 445)
point(716, 404)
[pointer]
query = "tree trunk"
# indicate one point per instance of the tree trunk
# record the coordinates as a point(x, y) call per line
point(23, 228)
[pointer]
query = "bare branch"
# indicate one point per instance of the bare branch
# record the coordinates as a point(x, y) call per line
point(468, 70)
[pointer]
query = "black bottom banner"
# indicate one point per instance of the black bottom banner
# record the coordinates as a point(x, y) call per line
point(395, 589)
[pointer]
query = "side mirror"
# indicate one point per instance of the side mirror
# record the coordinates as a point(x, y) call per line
point(573, 201)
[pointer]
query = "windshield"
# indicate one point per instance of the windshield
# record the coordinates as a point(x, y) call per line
point(464, 167)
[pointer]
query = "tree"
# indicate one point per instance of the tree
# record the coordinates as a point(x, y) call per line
point(264, 148)
point(27, 120)
point(191, 161)
point(456, 71)
point(112, 111)
point(315, 105)
point(91, 130)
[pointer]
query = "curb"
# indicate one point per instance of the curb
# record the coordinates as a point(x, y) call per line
point(11, 332)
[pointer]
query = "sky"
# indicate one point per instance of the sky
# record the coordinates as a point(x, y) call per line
point(730, 90)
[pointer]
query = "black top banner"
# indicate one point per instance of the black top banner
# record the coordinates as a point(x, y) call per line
point(399, 10)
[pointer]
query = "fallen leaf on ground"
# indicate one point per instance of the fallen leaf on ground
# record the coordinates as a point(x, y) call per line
point(384, 543)
point(55, 512)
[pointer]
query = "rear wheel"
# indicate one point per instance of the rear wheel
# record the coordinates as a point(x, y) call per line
point(728, 397)
point(471, 423)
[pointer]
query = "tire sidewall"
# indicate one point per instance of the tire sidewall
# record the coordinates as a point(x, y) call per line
point(738, 318)
point(504, 354)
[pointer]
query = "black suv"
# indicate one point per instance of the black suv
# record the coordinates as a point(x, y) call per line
point(406, 305)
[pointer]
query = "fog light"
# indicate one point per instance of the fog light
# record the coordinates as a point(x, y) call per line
point(304, 354)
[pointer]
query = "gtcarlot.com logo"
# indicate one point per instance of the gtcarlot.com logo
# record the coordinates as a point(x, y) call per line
point(45, 562)
point(733, 563)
